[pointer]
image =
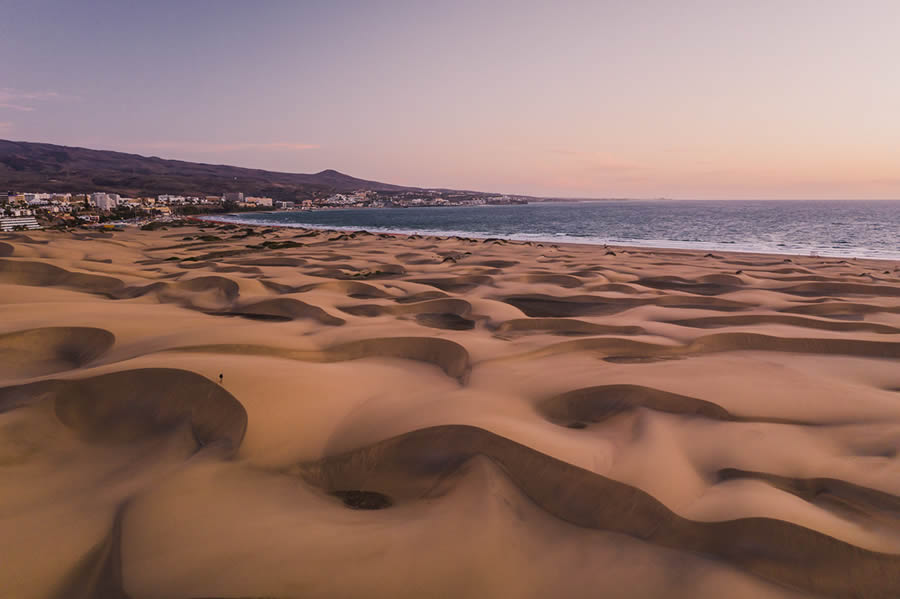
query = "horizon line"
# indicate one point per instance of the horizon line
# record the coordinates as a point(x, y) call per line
point(440, 188)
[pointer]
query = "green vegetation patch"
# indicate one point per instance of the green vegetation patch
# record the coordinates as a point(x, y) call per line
point(275, 245)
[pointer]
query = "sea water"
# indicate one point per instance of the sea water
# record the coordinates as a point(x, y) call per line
point(859, 228)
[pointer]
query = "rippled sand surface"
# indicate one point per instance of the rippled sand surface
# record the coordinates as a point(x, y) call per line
point(442, 417)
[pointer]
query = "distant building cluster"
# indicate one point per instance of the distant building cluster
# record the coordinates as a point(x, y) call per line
point(74, 208)
point(31, 210)
point(409, 199)
point(239, 200)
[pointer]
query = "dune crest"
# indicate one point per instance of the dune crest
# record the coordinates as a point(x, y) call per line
point(421, 464)
point(126, 405)
point(35, 352)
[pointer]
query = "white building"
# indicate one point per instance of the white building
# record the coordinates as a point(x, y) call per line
point(18, 212)
point(24, 222)
point(37, 199)
point(103, 201)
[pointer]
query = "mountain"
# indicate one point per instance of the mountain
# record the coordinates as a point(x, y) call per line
point(40, 167)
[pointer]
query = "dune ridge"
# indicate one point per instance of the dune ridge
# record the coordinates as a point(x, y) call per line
point(125, 405)
point(711, 322)
point(34, 352)
point(418, 464)
point(451, 357)
point(726, 342)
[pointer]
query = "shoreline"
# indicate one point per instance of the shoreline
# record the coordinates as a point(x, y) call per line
point(544, 240)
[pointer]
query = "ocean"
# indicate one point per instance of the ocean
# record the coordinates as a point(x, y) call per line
point(858, 228)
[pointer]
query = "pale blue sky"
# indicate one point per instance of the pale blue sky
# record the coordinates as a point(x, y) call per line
point(790, 99)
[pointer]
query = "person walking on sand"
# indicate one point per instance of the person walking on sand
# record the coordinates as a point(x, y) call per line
point(221, 376)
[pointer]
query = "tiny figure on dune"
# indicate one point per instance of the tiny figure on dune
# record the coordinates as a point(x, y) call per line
point(221, 377)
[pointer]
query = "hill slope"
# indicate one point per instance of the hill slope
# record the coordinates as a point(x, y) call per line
point(26, 166)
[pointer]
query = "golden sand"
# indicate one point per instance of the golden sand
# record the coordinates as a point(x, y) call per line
point(442, 417)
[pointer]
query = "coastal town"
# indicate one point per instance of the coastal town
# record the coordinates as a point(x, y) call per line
point(35, 210)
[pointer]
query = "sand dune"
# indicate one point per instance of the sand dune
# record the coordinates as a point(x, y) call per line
point(847, 495)
point(849, 310)
point(285, 308)
point(725, 342)
point(451, 357)
point(459, 284)
point(440, 313)
point(126, 405)
point(37, 352)
point(706, 285)
point(712, 322)
point(41, 274)
point(421, 464)
point(588, 305)
point(406, 417)
point(565, 326)
point(350, 288)
point(840, 289)
point(456, 306)
point(594, 404)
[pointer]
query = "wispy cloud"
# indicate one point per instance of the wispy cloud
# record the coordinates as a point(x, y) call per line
point(190, 146)
point(5, 126)
point(16, 107)
point(23, 101)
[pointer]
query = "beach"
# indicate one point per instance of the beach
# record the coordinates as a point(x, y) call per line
point(833, 228)
point(217, 410)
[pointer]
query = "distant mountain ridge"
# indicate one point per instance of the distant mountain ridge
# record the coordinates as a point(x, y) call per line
point(41, 167)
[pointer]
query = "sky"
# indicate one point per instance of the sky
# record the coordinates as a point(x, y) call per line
point(787, 99)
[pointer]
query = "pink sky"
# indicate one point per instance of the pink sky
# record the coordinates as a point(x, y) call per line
point(689, 99)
